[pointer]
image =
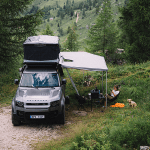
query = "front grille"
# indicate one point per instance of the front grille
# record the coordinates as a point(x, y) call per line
point(37, 100)
point(37, 108)
point(37, 104)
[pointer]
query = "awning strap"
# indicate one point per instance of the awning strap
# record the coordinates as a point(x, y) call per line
point(72, 82)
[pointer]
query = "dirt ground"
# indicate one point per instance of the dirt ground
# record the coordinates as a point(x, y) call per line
point(23, 137)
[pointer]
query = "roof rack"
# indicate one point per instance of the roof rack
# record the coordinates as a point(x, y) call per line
point(30, 62)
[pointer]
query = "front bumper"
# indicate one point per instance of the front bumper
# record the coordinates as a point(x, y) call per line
point(23, 114)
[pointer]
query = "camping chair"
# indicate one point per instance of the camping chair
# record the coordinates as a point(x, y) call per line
point(112, 100)
point(81, 101)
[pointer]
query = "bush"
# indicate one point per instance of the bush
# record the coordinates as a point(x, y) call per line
point(134, 133)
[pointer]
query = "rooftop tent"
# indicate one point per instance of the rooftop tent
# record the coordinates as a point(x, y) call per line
point(41, 48)
point(83, 61)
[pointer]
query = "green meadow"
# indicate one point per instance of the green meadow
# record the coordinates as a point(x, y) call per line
point(114, 128)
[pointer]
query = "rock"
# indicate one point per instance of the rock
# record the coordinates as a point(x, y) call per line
point(79, 113)
point(144, 147)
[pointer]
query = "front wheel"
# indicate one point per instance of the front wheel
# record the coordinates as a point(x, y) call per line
point(14, 121)
point(61, 118)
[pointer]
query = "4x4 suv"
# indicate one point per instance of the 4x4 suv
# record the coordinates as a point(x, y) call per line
point(40, 95)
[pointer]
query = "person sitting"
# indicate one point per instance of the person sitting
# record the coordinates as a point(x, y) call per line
point(113, 93)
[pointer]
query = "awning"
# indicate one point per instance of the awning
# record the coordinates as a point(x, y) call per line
point(83, 60)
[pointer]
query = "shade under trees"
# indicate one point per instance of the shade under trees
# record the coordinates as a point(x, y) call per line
point(135, 25)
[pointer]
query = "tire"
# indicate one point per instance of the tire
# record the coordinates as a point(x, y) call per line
point(61, 119)
point(14, 121)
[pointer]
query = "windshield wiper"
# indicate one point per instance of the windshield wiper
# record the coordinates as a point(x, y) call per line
point(26, 86)
point(35, 86)
point(48, 87)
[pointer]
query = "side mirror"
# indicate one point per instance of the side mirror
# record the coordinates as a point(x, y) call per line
point(64, 81)
point(20, 69)
point(16, 81)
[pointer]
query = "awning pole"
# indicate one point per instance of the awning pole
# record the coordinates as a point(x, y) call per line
point(102, 81)
point(106, 89)
point(72, 82)
point(83, 79)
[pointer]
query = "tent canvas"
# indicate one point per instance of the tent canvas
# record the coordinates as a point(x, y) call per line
point(83, 61)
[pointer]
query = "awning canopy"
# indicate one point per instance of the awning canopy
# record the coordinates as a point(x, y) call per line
point(83, 61)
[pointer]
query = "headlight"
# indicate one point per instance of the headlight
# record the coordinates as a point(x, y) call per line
point(20, 104)
point(55, 103)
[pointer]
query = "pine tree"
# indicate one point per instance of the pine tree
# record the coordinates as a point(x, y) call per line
point(102, 35)
point(48, 31)
point(61, 32)
point(15, 28)
point(83, 13)
point(90, 3)
point(97, 9)
point(94, 3)
point(64, 7)
point(68, 30)
point(72, 43)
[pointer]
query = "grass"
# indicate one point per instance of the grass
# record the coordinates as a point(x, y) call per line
point(115, 128)
point(7, 87)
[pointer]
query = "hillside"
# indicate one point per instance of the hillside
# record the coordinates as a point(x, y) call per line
point(59, 24)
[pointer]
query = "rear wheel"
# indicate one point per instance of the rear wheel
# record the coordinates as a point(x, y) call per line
point(14, 121)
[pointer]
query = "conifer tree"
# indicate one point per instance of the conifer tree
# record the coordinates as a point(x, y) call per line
point(15, 28)
point(83, 13)
point(72, 43)
point(68, 30)
point(135, 26)
point(48, 31)
point(102, 35)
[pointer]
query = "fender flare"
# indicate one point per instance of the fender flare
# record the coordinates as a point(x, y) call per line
point(13, 106)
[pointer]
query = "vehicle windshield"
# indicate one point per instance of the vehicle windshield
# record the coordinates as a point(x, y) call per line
point(39, 80)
